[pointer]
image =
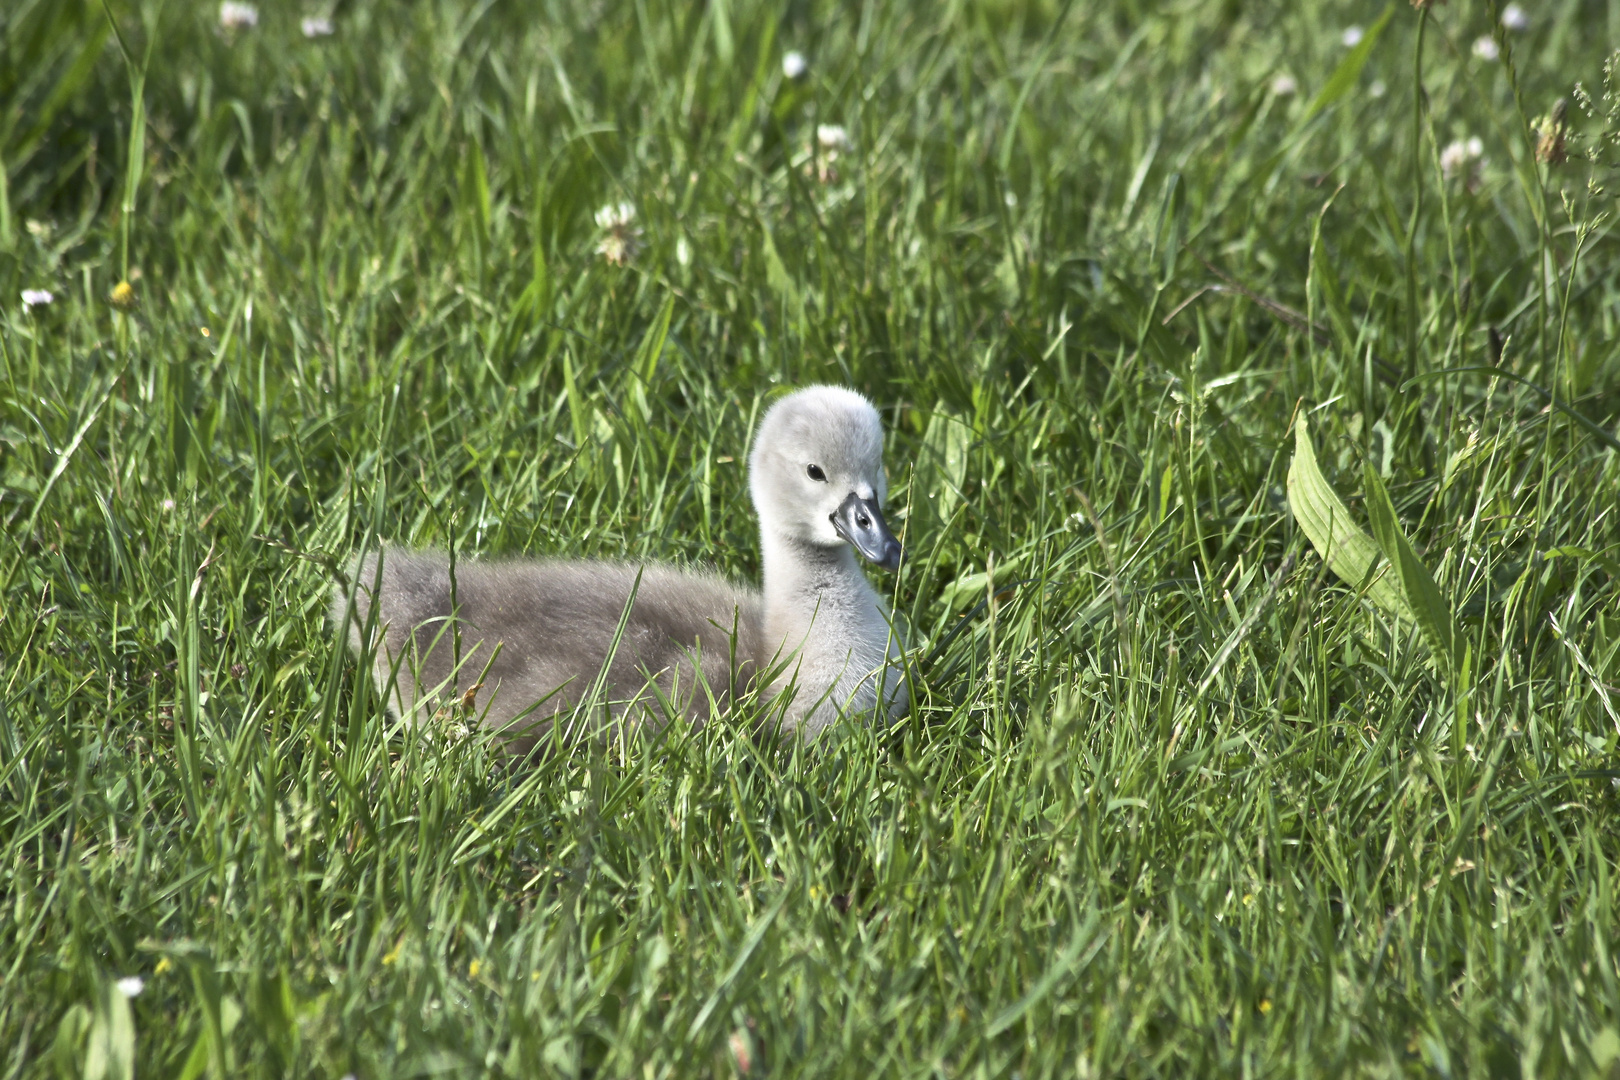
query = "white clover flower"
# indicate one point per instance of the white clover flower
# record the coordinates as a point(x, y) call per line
point(738, 1041)
point(832, 137)
point(1485, 48)
point(1452, 158)
point(1464, 158)
point(168, 504)
point(235, 15)
point(1515, 18)
point(1284, 86)
point(130, 985)
point(623, 239)
point(1352, 36)
point(36, 297)
point(615, 215)
point(315, 26)
point(1378, 88)
point(794, 64)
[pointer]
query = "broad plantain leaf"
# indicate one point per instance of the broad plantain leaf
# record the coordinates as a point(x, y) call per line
point(109, 1053)
point(1349, 552)
point(1429, 608)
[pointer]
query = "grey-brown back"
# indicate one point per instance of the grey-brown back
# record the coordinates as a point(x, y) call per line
point(537, 634)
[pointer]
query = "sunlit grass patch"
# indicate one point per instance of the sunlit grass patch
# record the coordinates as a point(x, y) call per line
point(1176, 795)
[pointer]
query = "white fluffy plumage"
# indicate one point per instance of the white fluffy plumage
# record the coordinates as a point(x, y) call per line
point(535, 636)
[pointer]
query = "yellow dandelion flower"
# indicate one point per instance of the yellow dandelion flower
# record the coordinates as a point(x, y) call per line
point(122, 296)
point(1265, 1006)
point(474, 968)
point(163, 965)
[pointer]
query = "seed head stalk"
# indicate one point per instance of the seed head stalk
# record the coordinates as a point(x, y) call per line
point(1534, 181)
point(1412, 316)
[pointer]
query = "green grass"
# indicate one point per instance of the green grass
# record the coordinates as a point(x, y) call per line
point(1176, 802)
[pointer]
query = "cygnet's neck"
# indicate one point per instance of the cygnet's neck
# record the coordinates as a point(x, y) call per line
point(807, 582)
point(826, 623)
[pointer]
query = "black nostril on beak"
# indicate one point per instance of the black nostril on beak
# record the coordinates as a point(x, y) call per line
point(860, 522)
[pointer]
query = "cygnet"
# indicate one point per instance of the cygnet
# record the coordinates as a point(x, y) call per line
point(524, 641)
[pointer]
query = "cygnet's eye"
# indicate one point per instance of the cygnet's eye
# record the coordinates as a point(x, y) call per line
point(816, 473)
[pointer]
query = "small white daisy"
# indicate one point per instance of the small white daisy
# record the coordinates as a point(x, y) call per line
point(36, 297)
point(1378, 88)
point(1284, 86)
point(1485, 48)
point(794, 64)
point(1352, 36)
point(315, 26)
point(130, 985)
point(235, 15)
point(1515, 18)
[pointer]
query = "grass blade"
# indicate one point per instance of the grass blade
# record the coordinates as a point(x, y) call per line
point(1345, 75)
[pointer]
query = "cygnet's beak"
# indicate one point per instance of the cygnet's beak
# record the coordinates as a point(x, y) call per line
point(860, 522)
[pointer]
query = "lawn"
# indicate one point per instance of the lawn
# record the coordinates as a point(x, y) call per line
point(1178, 796)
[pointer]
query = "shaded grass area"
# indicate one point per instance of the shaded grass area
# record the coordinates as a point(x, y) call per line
point(1173, 800)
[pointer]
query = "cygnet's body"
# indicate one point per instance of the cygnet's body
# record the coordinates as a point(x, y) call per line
point(537, 635)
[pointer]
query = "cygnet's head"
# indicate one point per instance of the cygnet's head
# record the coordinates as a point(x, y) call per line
point(817, 473)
